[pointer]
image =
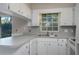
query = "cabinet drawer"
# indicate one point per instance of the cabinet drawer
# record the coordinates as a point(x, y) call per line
point(24, 50)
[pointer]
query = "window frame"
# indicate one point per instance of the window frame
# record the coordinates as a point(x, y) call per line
point(59, 14)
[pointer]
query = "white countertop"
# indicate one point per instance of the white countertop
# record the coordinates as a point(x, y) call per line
point(15, 41)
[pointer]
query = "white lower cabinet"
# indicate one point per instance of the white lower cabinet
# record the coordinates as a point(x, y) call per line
point(51, 46)
point(62, 49)
point(33, 47)
point(62, 46)
point(24, 50)
point(42, 48)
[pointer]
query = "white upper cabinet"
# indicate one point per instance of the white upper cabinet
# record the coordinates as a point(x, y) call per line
point(35, 18)
point(22, 9)
point(3, 6)
point(66, 17)
point(18, 8)
point(14, 7)
point(25, 10)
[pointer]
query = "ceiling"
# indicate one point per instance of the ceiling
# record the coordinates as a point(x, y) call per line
point(51, 5)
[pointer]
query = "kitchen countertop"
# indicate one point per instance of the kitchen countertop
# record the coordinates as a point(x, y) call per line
point(16, 41)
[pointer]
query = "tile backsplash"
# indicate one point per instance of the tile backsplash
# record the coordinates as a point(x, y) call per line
point(64, 32)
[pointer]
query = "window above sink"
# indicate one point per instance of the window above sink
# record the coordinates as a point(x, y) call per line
point(49, 22)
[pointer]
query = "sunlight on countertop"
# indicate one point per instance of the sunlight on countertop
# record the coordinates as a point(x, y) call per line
point(6, 41)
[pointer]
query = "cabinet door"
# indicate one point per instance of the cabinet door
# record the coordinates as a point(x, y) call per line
point(47, 46)
point(4, 6)
point(15, 7)
point(62, 48)
point(35, 18)
point(42, 48)
point(24, 50)
point(25, 10)
point(33, 47)
point(52, 48)
point(67, 16)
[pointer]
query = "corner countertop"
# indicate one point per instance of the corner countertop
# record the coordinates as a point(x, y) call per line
point(15, 41)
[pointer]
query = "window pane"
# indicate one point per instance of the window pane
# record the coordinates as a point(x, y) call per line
point(49, 28)
point(43, 19)
point(44, 24)
point(43, 15)
point(55, 19)
point(55, 28)
point(55, 24)
point(5, 19)
point(49, 22)
point(55, 15)
point(49, 19)
point(43, 28)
